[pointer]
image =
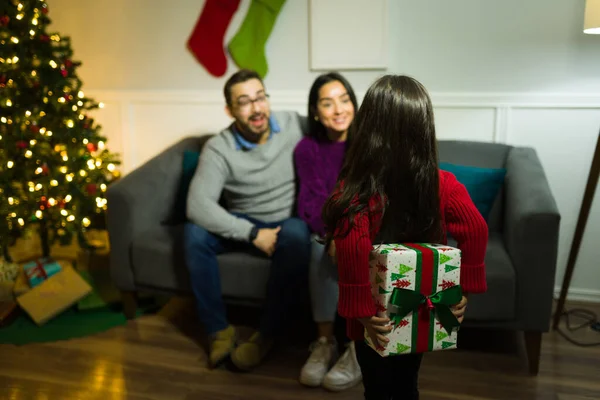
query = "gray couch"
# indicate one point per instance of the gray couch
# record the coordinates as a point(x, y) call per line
point(146, 249)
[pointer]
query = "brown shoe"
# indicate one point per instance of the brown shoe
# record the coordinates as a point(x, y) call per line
point(250, 354)
point(222, 344)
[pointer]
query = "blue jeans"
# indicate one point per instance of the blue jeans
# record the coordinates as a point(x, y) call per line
point(289, 270)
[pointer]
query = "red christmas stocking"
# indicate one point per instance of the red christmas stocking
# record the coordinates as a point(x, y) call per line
point(206, 41)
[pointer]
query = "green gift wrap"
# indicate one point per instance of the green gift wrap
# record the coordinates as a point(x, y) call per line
point(415, 284)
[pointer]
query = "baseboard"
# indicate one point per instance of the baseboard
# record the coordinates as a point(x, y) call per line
point(575, 294)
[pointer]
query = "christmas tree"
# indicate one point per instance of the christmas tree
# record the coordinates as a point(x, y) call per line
point(54, 167)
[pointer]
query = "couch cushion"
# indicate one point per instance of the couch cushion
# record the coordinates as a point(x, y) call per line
point(498, 303)
point(478, 154)
point(483, 184)
point(189, 164)
point(157, 258)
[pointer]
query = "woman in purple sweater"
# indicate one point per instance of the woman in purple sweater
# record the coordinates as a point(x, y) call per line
point(318, 158)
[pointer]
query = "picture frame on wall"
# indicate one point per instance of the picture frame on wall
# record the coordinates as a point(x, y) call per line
point(348, 34)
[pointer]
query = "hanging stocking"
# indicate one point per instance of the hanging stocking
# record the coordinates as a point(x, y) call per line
point(247, 48)
point(206, 41)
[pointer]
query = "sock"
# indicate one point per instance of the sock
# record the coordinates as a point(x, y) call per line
point(206, 40)
point(247, 48)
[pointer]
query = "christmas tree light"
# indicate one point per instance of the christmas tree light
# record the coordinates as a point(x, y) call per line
point(54, 166)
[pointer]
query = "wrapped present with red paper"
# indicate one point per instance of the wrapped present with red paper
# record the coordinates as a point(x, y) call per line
point(39, 270)
point(415, 285)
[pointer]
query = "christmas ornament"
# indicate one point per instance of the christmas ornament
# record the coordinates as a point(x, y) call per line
point(206, 40)
point(247, 48)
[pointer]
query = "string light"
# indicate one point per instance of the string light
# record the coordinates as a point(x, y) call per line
point(86, 222)
point(33, 73)
point(68, 198)
point(19, 6)
point(28, 154)
point(38, 186)
point(11, 201)
point(51, 202)
point(53, 64)
point(63, 169)
point(101, 145)
point(8, 103)
point(110, 167)
point(10, 164)
point(54, 182)
point(32, 32)
point(38, 214)
point(21, 222)
point(101, 105)
point(20, 16)
point(32, 142)
point(64, 212)
point(70, 123)
point(80, 95)
point(38, 170)
point(42, 130)
point(28, 113)
point(34, 21)
point(103, 187)
point(70, 218)
point(15, 59)
point(14, 40)
point(3, 119)
point(85, 141)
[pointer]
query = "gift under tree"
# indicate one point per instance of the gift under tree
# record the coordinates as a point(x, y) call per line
point(54, 167)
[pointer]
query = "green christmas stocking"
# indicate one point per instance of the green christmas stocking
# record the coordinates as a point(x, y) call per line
point(247, 48)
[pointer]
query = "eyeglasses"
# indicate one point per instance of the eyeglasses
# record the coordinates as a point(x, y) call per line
point(246, 103)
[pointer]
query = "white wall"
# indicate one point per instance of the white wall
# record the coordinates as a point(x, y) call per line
point(512, 71)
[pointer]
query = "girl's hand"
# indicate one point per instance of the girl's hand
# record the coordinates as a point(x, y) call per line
point(377, 328)
point(459, 309)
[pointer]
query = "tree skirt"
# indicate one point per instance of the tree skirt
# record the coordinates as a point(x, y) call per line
point(72, 323)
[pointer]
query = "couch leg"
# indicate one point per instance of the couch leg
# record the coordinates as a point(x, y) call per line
point(129, 299)
point(533, 345)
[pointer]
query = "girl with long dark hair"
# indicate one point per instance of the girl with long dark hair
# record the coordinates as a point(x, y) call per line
point(390, 190)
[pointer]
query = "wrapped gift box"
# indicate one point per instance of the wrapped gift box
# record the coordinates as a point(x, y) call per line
point(415, 285)
point(54, 295)
point(39, 270)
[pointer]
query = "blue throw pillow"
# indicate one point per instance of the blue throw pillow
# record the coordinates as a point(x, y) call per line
point(190, 162)
point(483, 184)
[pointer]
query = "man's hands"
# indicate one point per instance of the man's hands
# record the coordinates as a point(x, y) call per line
point(459, 309)
point(377, 328)
point(266, 240)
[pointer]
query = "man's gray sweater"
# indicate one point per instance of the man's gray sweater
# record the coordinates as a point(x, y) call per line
point(257, 182)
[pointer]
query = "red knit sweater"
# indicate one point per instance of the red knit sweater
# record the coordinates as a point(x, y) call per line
point(459, 217)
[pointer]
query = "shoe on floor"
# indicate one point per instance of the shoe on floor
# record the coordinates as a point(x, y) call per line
point(345, 373)
point(221, 345)
point(323, 354)
point(250, 354)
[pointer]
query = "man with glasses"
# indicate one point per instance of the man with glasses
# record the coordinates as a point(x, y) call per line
point(250, 165)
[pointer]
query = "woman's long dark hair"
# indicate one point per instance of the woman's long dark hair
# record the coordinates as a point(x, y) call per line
point(316, 128)
point(393, 155)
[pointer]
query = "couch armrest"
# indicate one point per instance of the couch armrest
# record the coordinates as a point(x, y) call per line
point(531, 230)
point(137, 202)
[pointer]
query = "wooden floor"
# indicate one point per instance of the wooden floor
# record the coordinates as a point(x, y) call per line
point(157, 357)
